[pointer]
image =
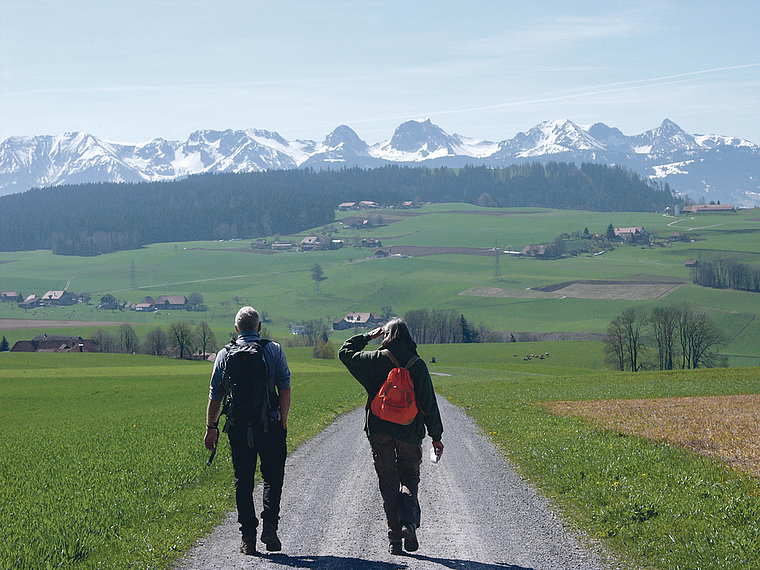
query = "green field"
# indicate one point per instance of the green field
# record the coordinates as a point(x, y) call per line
point(228, 274)
point(104, 465)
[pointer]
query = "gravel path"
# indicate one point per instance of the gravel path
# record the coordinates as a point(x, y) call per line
point(476, 512)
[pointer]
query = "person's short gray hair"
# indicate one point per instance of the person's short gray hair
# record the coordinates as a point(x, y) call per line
point(247, 319)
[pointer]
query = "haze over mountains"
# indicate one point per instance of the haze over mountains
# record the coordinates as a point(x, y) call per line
point(719, 168)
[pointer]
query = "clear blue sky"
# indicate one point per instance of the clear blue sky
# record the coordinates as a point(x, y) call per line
point(131, 71)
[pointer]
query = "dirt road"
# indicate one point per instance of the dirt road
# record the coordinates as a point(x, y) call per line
point(476, 512)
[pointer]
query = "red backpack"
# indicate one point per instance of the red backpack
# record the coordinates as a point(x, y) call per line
point(395, 401)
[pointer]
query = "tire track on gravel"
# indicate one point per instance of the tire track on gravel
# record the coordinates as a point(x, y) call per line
point(477, 513)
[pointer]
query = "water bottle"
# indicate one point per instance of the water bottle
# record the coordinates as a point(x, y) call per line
point(434, 457)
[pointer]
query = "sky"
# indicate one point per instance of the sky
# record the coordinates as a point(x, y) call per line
point(134, 70)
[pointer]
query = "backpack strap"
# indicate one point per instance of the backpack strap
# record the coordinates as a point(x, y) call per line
point(389, 354)
point(409, 364)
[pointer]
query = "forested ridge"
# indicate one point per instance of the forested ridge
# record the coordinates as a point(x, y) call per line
point(90, 219)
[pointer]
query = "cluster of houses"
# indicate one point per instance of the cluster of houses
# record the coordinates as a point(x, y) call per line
point(370, 205)
point(148, 304)
point(49, 299)
point(108, 301)
point(312, 243)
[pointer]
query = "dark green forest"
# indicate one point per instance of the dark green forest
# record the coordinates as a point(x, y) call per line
point(91, 219)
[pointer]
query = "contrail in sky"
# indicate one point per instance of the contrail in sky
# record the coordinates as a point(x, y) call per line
point(610, 88)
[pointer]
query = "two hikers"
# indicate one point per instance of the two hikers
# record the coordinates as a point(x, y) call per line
point(252, 376)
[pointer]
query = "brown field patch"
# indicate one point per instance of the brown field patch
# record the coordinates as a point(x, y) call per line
point(595, 290)
point(19, 324)
point(726, 427)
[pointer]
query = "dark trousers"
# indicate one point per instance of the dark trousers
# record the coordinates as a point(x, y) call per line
point(397, 464)
point(248, 443)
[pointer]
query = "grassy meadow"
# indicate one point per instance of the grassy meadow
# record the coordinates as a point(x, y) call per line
point(104, 466)
point(228, 274)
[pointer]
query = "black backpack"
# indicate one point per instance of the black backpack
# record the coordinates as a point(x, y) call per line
point(250, 389)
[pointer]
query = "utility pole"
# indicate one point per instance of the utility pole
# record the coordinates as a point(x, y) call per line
point(133, 282)
point(497, 263)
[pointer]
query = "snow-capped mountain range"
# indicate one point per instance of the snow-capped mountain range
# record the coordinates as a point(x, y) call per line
point(710, 166)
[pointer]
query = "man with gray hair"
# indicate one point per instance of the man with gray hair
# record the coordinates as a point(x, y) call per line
point(261, 435)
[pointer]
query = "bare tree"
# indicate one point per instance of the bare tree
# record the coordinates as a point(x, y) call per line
point(195, 300)
point(663, 322)
point(387, 312)
point(128, 342)
point(105, 340)
point(156, 342)
point(699, 339)
point(205, 339)
point(181, 336)
point(614, 344)
point(626, 340)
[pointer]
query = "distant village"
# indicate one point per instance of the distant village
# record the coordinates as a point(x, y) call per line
point(108, 301)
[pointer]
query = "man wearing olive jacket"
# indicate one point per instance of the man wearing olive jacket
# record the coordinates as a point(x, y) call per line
point(396, 448)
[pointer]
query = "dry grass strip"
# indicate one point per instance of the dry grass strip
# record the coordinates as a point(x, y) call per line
point(727, 427)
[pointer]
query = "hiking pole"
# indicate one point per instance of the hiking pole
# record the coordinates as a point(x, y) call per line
point(211, 459)
point(216, 444)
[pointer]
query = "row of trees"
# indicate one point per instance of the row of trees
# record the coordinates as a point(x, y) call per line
point(726, 274)
point(90, 219)
point(666, 338)
point(181, 340)
point(443, 327)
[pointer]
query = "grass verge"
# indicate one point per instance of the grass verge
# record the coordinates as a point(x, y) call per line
point(655, 504)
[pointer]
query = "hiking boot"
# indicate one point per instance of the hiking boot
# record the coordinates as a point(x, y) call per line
point(395, 547)
point(248, 545)
point(270, 538)
point(410, 537)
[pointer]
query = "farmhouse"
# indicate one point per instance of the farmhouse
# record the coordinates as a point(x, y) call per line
point(146, 305)
point(31, 302)
point(61, 298)
point(371, 242)
point(635, 234)
point(56, 343)
point(171, 302)
point(346, 206)
point(708, 208)
point(108, 301)
point(358, 320)
point(310, 243)
point(12, 297)
point(281, 245)
point(538, 250)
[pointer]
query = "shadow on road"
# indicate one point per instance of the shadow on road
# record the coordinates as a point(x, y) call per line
point(457, 564)
point(350, 563)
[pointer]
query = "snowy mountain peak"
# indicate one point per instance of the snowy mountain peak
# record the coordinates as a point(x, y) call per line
point(412, 136)
point(344, 137)
point(713, 166)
